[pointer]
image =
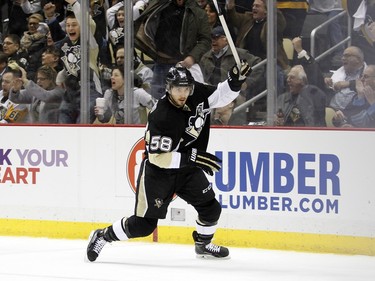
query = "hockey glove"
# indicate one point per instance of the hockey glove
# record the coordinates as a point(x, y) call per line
point(208, 162)
point(236, 76)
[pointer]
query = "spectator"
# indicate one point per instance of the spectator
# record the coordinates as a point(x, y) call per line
point(71, 57)
point(111, 14)
point(116, 20)
point(252, 31)
point(243, 6)
point(4, 20)
point(12, 48)
point(120, 56)
point(202, 3)
point(115, 16)
point(54, 9)
point(363, 14)
point(11, 112)
point(142, 70)
point(294, 12)
point(138, 7)
point(115, 100)
point(213, 16)
point(33, 43)
point(98, 14)
point(311, 67)
point(252, 35)
point(56, 32)
point(334, 31)
point(360, 112)
point(343, 80)
point(224, 115)
point(19, 11)
point(216, 63)
point(51, 57)
point(30, 6)
point(43, 96)
point(3, 65)
point(116, 31)
point(179, 32)
point(50, 42)
point(304, 104)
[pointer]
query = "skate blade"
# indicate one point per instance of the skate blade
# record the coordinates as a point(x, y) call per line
point(211, 257)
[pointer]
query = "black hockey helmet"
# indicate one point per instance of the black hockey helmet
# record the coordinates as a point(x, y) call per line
point(179, 76)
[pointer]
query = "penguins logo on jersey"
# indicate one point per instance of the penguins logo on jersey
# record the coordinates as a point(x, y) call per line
point(116, 34)
point(71, 59)
point(197, 121)
point(158, 203)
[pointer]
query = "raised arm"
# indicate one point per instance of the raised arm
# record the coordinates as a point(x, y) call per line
point(228, 90)
point(76, 7)
point(30, 8)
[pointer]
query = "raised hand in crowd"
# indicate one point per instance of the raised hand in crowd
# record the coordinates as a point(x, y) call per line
point(49, 10)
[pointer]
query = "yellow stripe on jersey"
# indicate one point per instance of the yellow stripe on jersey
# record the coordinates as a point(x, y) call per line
point(167, 160)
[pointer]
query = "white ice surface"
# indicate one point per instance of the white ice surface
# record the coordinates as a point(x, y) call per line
point(39, 259)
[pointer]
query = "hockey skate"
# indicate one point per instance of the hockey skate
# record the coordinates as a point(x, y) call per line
point(96, 244)
point(206, 249)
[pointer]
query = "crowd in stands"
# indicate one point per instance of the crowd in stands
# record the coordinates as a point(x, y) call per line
point(40, 54)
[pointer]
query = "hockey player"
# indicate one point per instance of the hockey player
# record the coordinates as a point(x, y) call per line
point(175, 160)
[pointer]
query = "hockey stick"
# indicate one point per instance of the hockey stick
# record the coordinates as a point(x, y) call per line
point(228, 35)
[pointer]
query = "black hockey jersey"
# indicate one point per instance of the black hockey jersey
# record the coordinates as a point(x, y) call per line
point(71, 57)
point(172, 131)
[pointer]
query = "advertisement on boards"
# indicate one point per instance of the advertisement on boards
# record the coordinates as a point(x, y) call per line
point(281, 180)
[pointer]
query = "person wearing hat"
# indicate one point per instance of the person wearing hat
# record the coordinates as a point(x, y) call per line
point(216, 62)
